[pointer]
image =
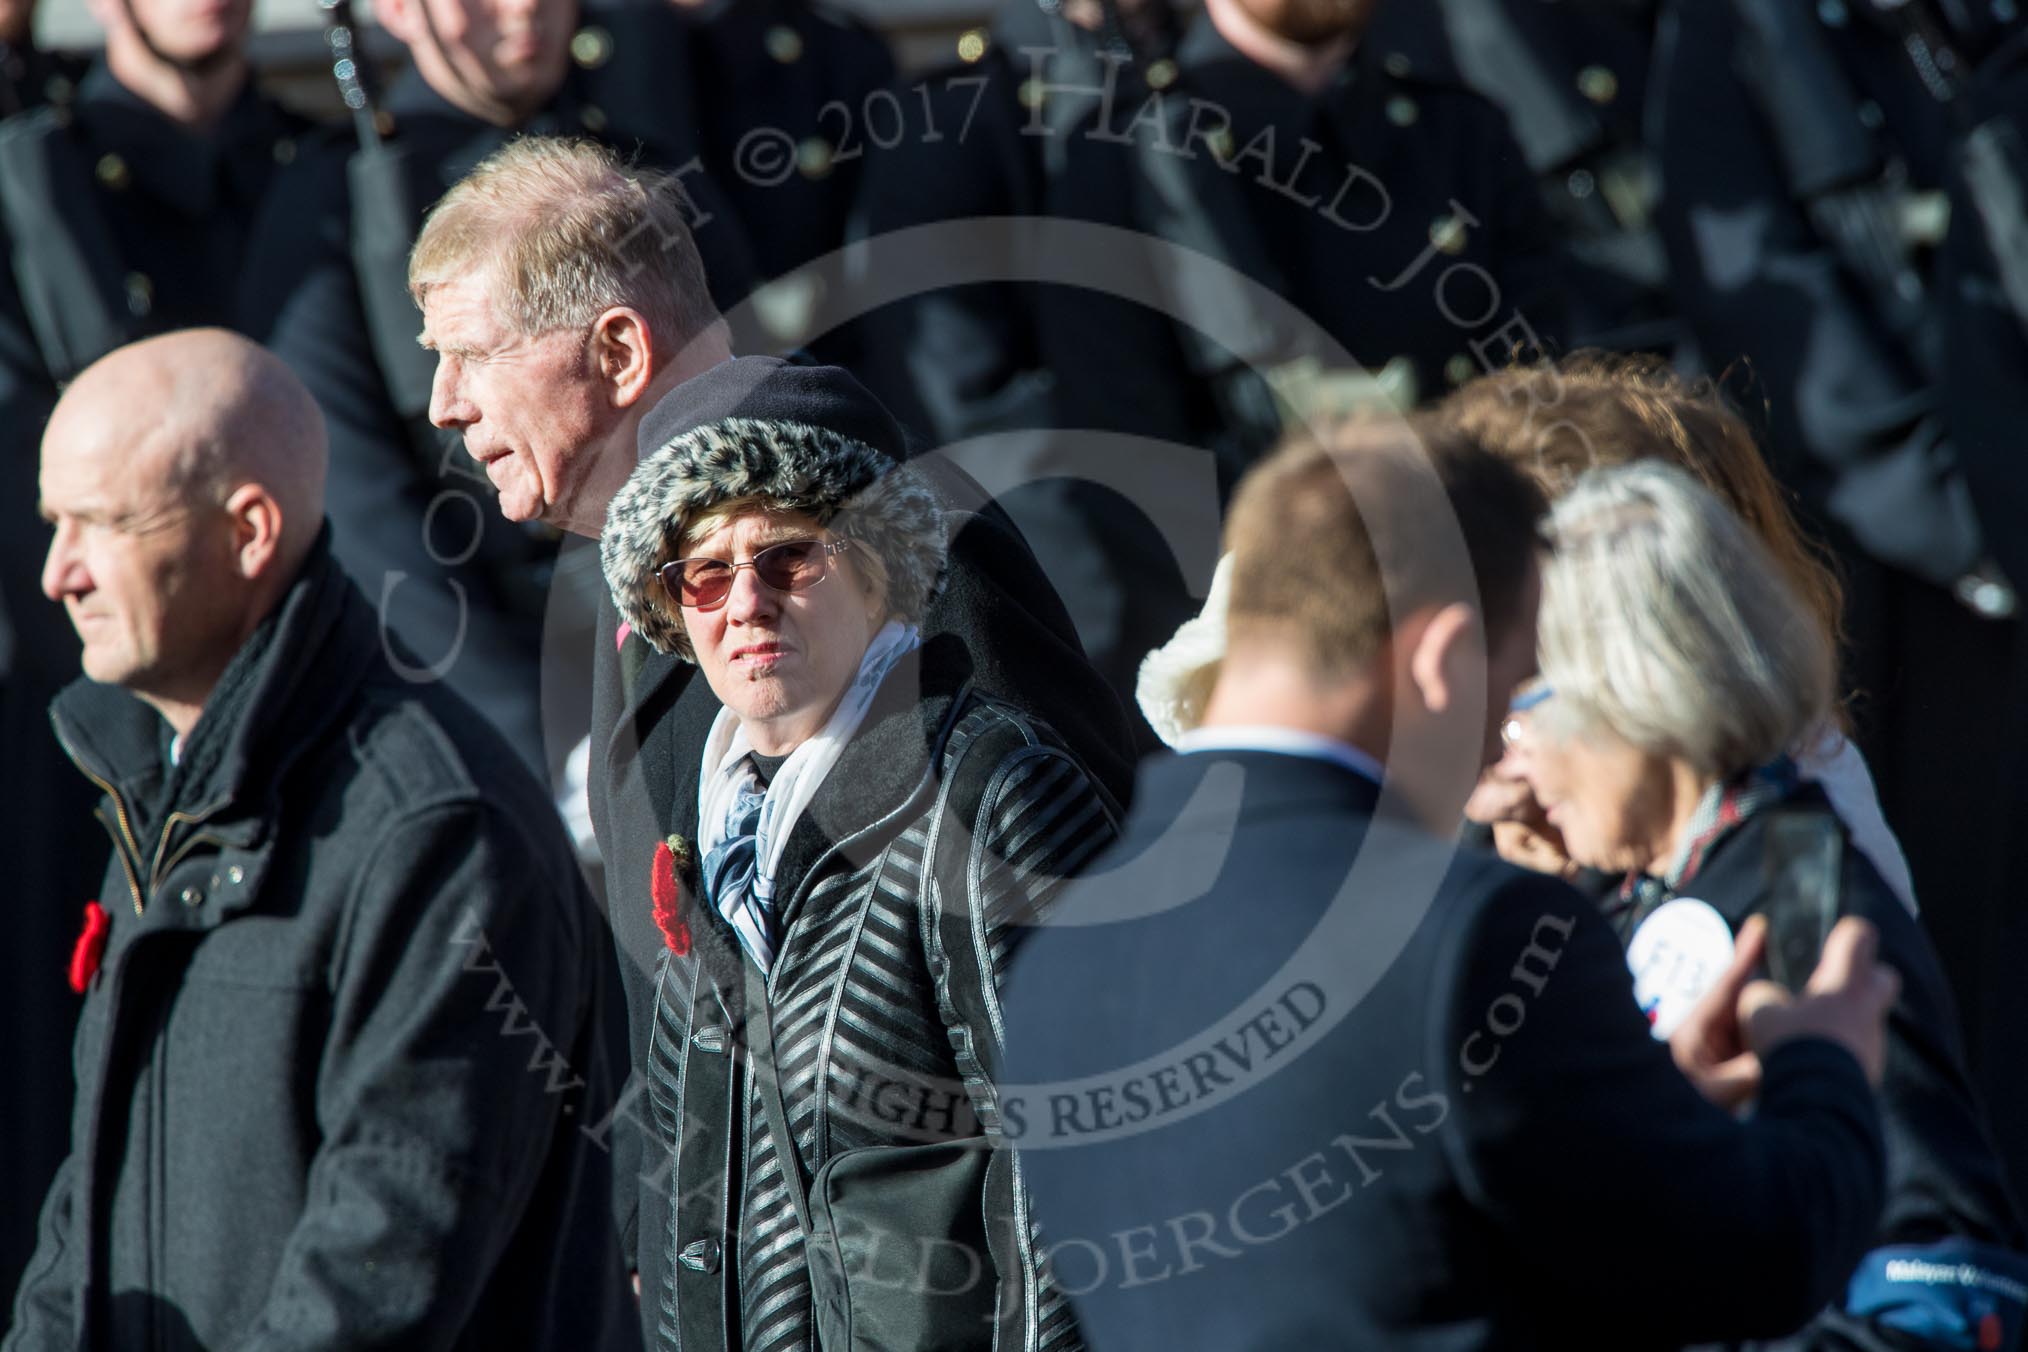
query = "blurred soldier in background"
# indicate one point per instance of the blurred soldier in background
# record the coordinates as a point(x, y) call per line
point(1572, 79)
point(29, 76)
point(124, 212)
point(786, 111)
point(1843, 209)
point(962, 361)
point(1324, 151)
point(463, 590)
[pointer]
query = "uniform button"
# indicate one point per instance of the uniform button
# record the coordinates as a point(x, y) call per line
point(591, 47)
point(592, 118)
point(1033, 94)
point(113, 172)
point(235, 875)
point(1459, 369)
point(1832, 12)
point(1221, 143)
point(784, 44)
point(216, 880)
point(1598, 84)
point(1447, 232)
point(285, 150)
point(1401, 111)
point(1397, 65)
point(972, 46)
point(140, 294)
point(787, 305)
point(58, 89)
point(813, 157)
point(1870, 115)
point(1581, 183)
point(192, 897)
point(1162, 74)
point(700, 1255)
point(1924, 219)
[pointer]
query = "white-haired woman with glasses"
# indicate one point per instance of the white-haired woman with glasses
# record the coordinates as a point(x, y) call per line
point(1680, 677)
point(872, 837)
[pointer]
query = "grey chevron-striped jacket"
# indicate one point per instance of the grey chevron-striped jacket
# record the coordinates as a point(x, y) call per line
point(943, 831)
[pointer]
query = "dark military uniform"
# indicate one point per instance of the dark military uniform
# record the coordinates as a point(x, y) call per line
point(115, 224)
point(1388, 219)
point(962, 361)
point(31, 77)
point(1820, 228)
point(413, 518)
point(790, 103)
point(1572, 79)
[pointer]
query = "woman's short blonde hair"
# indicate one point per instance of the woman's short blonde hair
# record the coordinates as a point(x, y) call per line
point(1666, 623)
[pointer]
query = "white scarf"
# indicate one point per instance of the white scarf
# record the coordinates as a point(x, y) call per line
point(725, 770)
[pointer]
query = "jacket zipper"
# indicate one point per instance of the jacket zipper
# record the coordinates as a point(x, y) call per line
point(126, 866)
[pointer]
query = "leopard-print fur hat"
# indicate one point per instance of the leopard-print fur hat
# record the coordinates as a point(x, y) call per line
point(853, 490)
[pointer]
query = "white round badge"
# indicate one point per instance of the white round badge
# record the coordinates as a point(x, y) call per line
point(1678, 954)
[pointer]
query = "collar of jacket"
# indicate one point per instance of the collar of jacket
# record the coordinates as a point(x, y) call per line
point(30, 76)
point(870, 794)
point(184, 168)
point(456, 141)
point(1732, 874)
point(1172, 788)
point(323, 644)
point(1210, 67)
point(451, 138)
point(1401, 44)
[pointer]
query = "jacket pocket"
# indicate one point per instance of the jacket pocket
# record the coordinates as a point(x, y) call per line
point(897, 1251)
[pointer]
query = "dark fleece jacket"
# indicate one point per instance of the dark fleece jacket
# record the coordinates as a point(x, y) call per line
point(333, 1064)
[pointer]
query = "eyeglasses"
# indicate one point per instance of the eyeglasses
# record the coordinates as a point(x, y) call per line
point(1515, 725)
point(792, 566)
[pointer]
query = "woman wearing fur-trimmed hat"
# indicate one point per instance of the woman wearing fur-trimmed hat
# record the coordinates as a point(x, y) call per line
point(873, 834)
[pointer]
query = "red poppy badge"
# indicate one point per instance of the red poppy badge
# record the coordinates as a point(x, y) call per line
point(90, 946)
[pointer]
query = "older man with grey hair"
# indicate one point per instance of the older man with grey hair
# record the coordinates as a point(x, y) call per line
point(342, 985)
point(575, 336)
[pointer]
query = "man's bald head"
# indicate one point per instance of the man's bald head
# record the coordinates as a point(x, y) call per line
point(201, 412)
point(185, 478)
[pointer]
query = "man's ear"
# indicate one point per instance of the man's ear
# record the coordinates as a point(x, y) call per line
point(256, 529)
point(623, 355)
point(1447, 658)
